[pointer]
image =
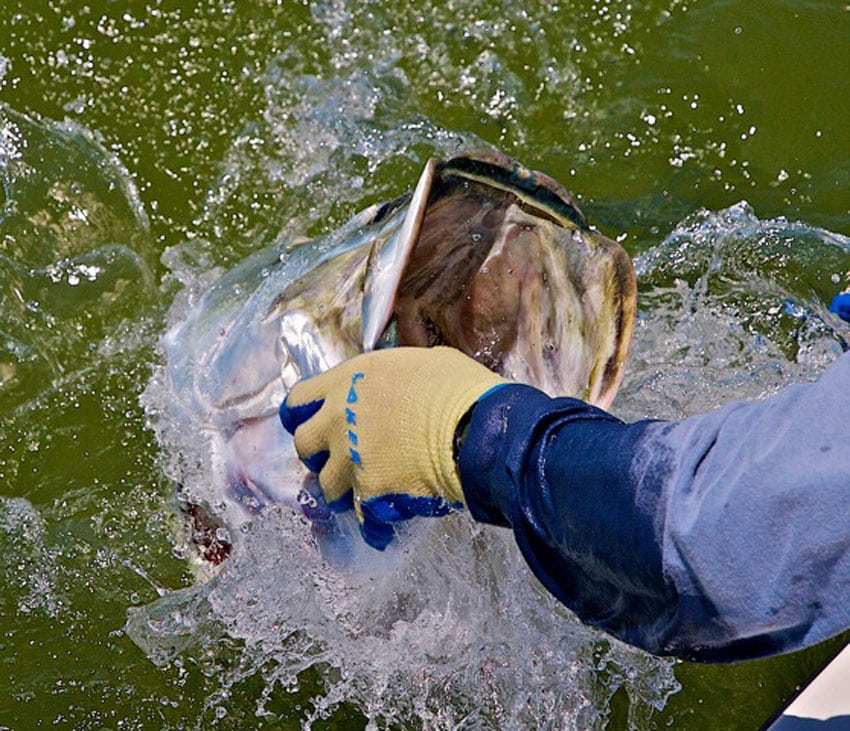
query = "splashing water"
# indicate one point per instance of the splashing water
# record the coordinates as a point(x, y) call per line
point(237, 122)
point(453, 630)
point(456, 634)
point(27, 564)
point(733, 307)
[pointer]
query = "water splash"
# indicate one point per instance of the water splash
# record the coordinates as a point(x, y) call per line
point(27, 564)
point(733, 307)
point(448, 625)
point(73, 255)
point(455, 633)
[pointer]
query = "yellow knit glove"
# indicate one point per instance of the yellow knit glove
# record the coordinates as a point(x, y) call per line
point(382, 425)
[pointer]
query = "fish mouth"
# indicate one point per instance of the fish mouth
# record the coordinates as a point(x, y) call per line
point(506, 269)
point(472, 266)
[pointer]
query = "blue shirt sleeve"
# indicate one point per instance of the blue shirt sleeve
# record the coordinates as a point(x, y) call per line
point(722, 537)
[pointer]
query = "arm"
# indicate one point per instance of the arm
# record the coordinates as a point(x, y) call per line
point(721, 537)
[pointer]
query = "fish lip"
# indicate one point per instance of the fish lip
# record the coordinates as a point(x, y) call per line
point(546, 194)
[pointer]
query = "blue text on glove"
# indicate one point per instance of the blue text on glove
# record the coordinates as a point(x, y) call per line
point(351, 420)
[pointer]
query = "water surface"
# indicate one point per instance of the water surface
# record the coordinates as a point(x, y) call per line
point(144, 144)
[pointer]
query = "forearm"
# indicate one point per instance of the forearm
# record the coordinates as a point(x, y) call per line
point(559, 473)
point(716, 538)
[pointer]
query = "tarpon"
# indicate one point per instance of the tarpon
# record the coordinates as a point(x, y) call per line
point(485, 255)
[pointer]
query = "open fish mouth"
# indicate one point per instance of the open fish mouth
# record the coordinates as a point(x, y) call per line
point(485, 255)
point(493, 259)
point(507, 270)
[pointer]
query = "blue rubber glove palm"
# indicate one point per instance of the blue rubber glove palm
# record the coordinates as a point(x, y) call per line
point(380, 428)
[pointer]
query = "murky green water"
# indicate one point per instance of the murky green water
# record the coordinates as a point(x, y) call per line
point(144, 143)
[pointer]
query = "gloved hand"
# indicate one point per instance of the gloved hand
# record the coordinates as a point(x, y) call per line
point(840, 305)
point(383, 425)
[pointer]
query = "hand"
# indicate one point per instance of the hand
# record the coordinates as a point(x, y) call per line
point(380, 428)
point(840, 305)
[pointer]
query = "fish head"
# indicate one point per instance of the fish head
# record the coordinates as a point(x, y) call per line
point(485, 256)
point(500, 263)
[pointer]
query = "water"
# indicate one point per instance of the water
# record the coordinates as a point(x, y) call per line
point(142, 147)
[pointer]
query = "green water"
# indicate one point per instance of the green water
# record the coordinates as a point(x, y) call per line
point(201, 131)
